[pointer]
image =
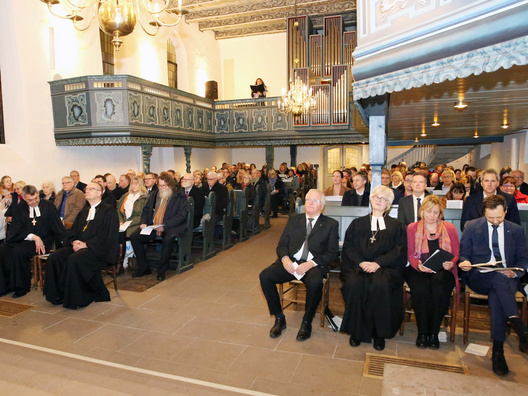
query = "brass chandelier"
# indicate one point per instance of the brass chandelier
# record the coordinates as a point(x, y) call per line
point(298, 100)
point(117, 18)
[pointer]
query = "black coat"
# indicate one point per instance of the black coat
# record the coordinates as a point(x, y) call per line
point(175, 218)
point(472, 208)
point(350, 198)
point(222, 198)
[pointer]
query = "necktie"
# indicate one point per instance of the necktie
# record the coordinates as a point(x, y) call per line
point(304, 255)
point(187, 193)
point(418, 204)
point(495, 243)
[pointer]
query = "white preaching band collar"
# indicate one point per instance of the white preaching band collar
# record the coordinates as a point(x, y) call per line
point(34, 212)
point(377, 221)
point(91, 212)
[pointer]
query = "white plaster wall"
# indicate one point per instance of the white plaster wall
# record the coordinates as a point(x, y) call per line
point(245, 59)
point(499, 155)
point(26, 64)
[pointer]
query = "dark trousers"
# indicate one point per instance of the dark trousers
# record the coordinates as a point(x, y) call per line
point(15, 269)
point(275, 274)
point(431, 296)
point(501, 292)
point(138, 243)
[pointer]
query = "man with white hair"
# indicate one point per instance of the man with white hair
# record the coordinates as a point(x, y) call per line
point(222, 196)
point(518, 175)
point(69, 201)
point(307, 247)
point(187, 183)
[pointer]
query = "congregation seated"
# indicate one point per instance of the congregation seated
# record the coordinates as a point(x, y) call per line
point(111, 184)
point(77, 183)
point(69, 201)
point(48, 191)
point(519, 181)
point(16, 198)
point(222, 195)
point(397, 181)
point(507, 185)
point(431, 290)
point(337, 187)
point(409, 206)
point(151, 182)
point(129, 209)
point(73, 275)
point(187, 183)
point(372, 263)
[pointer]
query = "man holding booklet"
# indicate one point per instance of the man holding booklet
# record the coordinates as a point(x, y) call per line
point(165, 216)
point(502, 245)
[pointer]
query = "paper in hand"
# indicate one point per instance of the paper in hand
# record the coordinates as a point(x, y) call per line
point(435, 262)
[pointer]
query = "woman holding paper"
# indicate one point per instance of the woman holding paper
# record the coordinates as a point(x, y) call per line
point(129, 209)
point(372, 264)
point(431, 290)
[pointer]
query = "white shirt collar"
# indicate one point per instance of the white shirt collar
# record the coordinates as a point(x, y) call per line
point(377, 221)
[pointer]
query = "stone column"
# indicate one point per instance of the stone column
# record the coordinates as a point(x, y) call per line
point(270, 155)
point(293, 155)
point(187, 150)
point(146, 152)
point(377, 147)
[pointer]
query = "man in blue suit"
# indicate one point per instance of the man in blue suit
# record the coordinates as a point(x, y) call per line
point(494, 239)
point(472, 208)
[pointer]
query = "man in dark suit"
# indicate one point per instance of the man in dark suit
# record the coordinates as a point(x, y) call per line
point(519, 181)
point(408, 206)
point(77, 180)
point(107, 197)
point(151, 180)
point(494, 239)
point(308, 244)
point(187, 182)
point(222, 196)
point(472, 208)
point(359, 195)
point(167, 210)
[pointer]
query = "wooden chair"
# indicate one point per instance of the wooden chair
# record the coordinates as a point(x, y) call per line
point(521, 298)
point(39, 262)
point(204, 234)
point(296, 286)
point(241, 214)
point(227, 222)
point(408, 311)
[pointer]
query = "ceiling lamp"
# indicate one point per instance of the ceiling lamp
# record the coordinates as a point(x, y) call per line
point(461, 105)
point(117, 18)
point(505, 125)
point(476, 134)
point(298, 100)
point(416, 140)
point(435, 124)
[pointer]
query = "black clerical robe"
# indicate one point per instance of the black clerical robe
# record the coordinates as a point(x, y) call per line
point(15, 269)
point(373, 303)
point(74, 278)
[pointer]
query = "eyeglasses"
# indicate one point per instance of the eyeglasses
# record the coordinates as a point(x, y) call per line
point(313, 200)
point(378, 198)
point(210, 179)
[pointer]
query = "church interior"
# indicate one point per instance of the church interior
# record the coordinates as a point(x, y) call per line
point(441, 81)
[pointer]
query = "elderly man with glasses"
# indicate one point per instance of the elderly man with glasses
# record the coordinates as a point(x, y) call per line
point(307, 247)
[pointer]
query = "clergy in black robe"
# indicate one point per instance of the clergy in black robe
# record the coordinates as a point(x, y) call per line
point(73, 274)
point(372, 264)
point(35, 225)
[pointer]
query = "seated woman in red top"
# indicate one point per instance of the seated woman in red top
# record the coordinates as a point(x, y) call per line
point(431, 291)
point(508, 186)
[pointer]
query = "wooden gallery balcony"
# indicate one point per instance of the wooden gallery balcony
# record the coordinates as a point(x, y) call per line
point(125, 110)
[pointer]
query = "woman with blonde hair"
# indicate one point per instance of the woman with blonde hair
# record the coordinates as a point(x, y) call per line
point(431, 290)
point(48, 191)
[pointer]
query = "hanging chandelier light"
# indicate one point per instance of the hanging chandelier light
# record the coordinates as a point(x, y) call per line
point(298, 100)
point(117, 18)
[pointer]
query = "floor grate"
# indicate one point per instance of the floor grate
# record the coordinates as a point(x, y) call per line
point(375, 364)
point(8, 308)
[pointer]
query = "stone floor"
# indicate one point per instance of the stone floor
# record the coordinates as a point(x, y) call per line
point(211, 324)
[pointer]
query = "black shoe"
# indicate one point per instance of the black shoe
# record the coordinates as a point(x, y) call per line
point(20, 293)
point(139, 274)
point(353, 342)
point(280, 324)
point(434, 343)
point(305, 331)
point(523, 343)
point(379, 344)
point(499, 365)
point(161, 277)
point(422, 341)
point(58, 301)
